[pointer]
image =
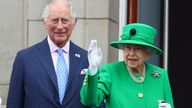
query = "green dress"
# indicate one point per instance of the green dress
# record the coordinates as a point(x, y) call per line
point(114, 85)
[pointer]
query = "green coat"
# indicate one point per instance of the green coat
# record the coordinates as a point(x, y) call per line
point(116, 87)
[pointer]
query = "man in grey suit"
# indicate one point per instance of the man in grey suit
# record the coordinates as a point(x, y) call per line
point(34, 82)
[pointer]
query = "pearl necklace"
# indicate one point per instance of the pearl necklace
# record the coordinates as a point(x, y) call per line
point(140, 79)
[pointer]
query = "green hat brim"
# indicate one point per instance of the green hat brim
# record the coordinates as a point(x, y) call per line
point(116, 44)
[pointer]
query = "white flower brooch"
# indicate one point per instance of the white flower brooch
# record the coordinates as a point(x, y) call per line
point(156, 74)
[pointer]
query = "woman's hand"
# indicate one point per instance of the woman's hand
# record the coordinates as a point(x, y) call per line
point(94, 57)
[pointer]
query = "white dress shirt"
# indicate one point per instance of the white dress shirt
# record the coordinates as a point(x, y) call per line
point(54, 54)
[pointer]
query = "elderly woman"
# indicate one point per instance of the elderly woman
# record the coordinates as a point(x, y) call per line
point(132, 83)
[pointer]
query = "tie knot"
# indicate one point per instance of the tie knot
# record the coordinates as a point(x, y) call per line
point(60, 51)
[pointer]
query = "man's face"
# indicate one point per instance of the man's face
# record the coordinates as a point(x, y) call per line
point(59, 24)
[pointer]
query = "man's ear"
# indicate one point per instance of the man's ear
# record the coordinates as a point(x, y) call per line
point(74, 24)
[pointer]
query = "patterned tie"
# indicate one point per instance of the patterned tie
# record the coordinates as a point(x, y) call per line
point(62, 74)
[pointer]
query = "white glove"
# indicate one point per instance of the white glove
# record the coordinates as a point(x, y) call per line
point(94, 57)
point(164, 104)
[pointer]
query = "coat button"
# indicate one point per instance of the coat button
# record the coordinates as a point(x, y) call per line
point(84, 82)
point(140, 95)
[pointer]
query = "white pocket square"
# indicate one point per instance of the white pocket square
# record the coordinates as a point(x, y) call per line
point(84, 71)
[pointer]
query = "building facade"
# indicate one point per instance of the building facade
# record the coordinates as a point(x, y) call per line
point(21, 27)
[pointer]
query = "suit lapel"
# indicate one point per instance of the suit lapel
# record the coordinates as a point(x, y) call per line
point(46, 60)
point(74, 62)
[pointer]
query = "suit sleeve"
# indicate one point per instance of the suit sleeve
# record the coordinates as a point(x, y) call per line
point(16, 87)
point(96, 88)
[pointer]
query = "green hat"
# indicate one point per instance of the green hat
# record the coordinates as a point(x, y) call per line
point(138, 34)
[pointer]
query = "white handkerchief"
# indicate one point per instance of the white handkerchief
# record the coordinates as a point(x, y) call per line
point(84, 71)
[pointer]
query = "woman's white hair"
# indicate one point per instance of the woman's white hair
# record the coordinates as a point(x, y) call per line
point(45, 13)
point(149, 50)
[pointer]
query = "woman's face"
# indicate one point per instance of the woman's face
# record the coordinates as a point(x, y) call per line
point(135, 55)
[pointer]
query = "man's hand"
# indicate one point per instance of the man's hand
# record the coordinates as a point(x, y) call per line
point(94, 57)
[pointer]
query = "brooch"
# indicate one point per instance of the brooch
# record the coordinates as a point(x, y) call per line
point(156, 74)
point(77, 55)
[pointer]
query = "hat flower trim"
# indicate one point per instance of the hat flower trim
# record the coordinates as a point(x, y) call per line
point(126, 36)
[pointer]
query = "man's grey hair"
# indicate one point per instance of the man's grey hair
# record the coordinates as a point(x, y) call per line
point(45, 13)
